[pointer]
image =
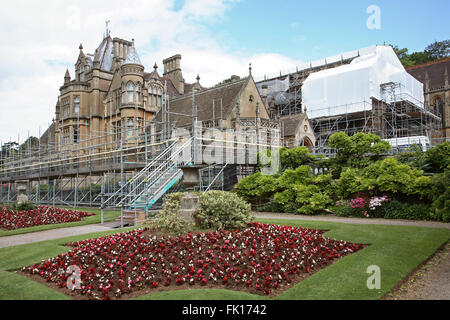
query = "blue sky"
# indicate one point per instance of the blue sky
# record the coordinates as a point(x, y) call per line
point(309, 30)
point(216, 38)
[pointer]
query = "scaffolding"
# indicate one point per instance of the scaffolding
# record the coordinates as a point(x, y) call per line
point(129, 167)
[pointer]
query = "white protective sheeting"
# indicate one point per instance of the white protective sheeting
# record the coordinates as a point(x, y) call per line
point(349, 88)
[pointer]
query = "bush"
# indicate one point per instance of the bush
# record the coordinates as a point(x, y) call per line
point(342, 209)
point(408, 211)
point(295, 157)
point(387, 176)
point(24, 206)
point(438, 157)
point(222, 210)
point(257, 188)
point(167, 218)
point(440, 189)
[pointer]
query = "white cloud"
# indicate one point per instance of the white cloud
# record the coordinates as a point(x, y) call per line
point(40, 39)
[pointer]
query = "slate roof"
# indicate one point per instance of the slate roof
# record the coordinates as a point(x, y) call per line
point(435, 70)
point(133, 57)
point(228, 93)
point(290, 123)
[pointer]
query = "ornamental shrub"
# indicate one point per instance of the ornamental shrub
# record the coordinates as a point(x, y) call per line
point(440, 189)
point(24, 206)
point(222, 210)
point(399, 210)
point(295, 157)
point(310, 199)
point(359, 150)
point(257, 188)
point(438, 157)
point(167, 218)
point(348, 184)
point(391, 176)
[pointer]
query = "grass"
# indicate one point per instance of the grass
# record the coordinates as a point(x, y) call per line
point(109, 215)
point(397, 250)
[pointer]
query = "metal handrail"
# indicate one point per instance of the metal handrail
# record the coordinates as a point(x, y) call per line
point(155, 175)
point(158, 158)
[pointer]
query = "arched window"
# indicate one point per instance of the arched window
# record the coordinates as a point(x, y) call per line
point(76, 105)
point(130, 92)
point(437, 105)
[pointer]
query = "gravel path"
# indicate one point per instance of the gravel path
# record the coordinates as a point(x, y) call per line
point(50, 234)
point(429, 282)
point(332, 218)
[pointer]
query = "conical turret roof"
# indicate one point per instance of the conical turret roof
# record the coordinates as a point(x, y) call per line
point(132, 57)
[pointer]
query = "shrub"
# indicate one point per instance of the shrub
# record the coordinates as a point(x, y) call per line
point(222, 210)
point(348, 184)
point(359, 150)
point(167, 218)
point(257, 188)
point(408, 211)
point(310, 200)
point(440, 189)
point(295, 157)
point(342, 208)
point(438, 157)
point(24, 206)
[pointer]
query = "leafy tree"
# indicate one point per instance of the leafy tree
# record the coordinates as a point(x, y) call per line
point(438, 49)
point(359, 150)
point(435, 51)
point(295, 157)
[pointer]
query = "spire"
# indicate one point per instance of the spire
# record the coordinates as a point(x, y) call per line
point(108, 31)
point(96, 60)
point(67, 77)
point(132, 57)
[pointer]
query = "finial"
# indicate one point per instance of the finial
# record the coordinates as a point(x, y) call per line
point(80, 47)
point(155, 66)
point(250, 69)
point(198, 78)
point(107, 33)
point(132, 40)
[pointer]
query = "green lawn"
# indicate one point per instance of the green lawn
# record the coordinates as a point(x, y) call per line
point(110, 215)
point(397, 250)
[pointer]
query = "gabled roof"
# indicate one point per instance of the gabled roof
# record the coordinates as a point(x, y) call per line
point(435, 71)
point(290, 123)
point(224, 96)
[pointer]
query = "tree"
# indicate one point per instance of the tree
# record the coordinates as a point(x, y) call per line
point(438, 49)
point(29, 144)
point(435, 51)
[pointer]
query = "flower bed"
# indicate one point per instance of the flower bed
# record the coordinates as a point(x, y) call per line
point(12, 219)
point(262, 259)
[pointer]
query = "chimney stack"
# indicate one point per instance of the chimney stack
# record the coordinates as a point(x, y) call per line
point(172, 70)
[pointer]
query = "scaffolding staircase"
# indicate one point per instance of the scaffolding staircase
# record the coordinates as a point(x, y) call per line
point(151, 183)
